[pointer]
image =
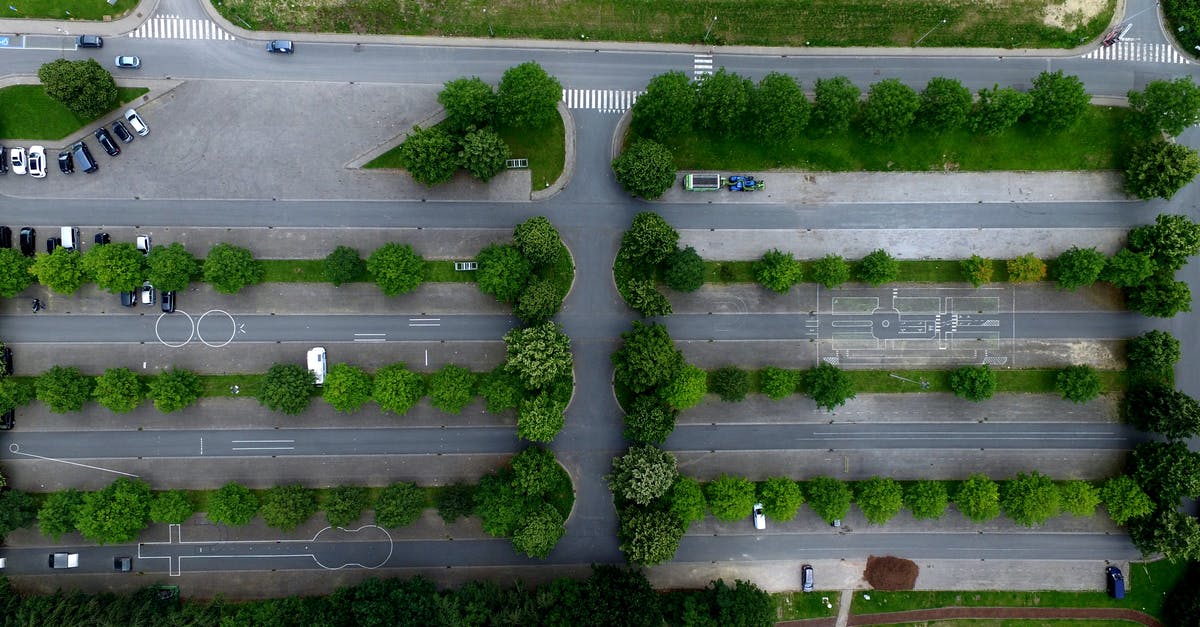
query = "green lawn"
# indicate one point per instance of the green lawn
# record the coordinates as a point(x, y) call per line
point(1026, 380)
point(911, 271)
point(311, 271)
point(69, 9)
point(26, 112)
point(1095, 142)
point(1008, 24)
point(801, 605)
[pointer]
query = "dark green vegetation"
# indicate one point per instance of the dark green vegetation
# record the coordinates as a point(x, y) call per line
point(69, 9)
point(781, 23)
point(26, 112)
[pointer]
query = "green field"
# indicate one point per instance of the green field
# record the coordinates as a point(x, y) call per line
point(69, 10)
point(911, 271)
point(26, 112)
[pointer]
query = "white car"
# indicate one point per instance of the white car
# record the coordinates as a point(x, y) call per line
point(316, 364)
point(135, 120)
point(37, 162)
point(64, 560)
point(143, 244)
point(129, 63)
point(760, 520)
point(18, 160)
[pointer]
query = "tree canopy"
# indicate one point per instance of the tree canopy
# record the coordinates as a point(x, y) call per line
point(527, 96)
point(83, 86)
point(121, 267)
point(667, 108)
point(229, 268)
point(169, 268)
point(538, 355)
point(647, 359)
point(287, 388)
point(430, 155)
point(642, 474)
point(397, 268)
point(646, 168)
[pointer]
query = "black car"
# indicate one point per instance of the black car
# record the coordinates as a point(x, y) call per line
point(28, 241)
point(123, 564)
point(52, 243)
point(5, 237)
point(83, 156)
point(129, 299)
point(89, 41)
point(106, 142)
point(3, 161)
point(121, 132)
point(65, 164)
point(6, 355)
point(168, 302)
point(102, 238)
point(8, 420)
point(280, 46)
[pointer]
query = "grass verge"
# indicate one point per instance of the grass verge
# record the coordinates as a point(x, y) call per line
point(801, 605)
point(69, 9)
point(911, 271)
point(1009, 24)
point(312, 271)
point(26, 112)
point(1022, 380)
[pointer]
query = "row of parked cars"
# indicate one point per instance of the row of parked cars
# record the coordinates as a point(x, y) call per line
point(33, 162)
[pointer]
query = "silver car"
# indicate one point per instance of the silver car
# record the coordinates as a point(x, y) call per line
point(128, 63)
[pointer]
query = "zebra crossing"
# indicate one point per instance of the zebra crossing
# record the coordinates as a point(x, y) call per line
point(602, 100)
point(702, 64)
point(176, 27)
point(1138, 51)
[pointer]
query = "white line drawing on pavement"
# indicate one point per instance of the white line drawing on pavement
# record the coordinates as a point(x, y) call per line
point(370, 337)
point(16, 450)
point(264, 448)
point(602, 100)
point(164, 342)
point(176, 27)
point(424, 322)
point(232, 333)
point(1137, 51)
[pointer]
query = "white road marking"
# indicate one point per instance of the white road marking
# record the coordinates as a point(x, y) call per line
point(176, 27)
point(1137, 51)
point(424, 322)
point(16, 449)
point(370, 337)
point(602, 100)
point(702, 64)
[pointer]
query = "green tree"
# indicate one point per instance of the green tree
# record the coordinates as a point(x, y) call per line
point(528, 97)
point(687, 500)
point(59, 512)
point(344, 504)
point(830, 271)
point(397, 388)
point(1078, 498)
point(778, 271)
point(1166, 106)
point(1170, 241)
point(777, 383)
point(539, 241)
point(1166, 471)
point(538, 302)
point(649, 537)
point(667, 109)
point(926, 499)
point(1174, 534)
point(15, 393)
point(539, 532)
point(642, 296)
point(1078, 384)
point(1127, 268)
point(977, 269)
point(642, 474)
point(781, 498)
point(1156, 407)
point(978, 498)
point(1058, 100)
point(430, 155)
point(722, 101)
point(116, 514)
point(1030, 499)
point(646, 168)
point(171, 507)
point(399, 505)
point(828, 497)
point(536, 472)
point(234, 505)
point(61, 270)
point(343, 265)
point(686, 389)
point(540, 418)
point(649, 241)
point(998, 109)
point(286, 507)
point(455, 501)
point(119, 390)
point(1160, 296)
point(347, 387)
point(469, 103)
point(287, 388)
point(778, 108)
point(482, 153)
point(889, 110)
point(14, 272)
point(649, 420)
point(117, 267)
point(84, 87)
point(730, 498)
point(685, 270)
point(538, 355)
point(451, 388)
point(974, 383)
point(829, 386)
point(835, 101)
point(501, 389)
point(230, 268)
point(879, 498)
point(397, 268)
point(730, 383)
point(878, 268)
point(63, 389)
point(1078, 267)
point(1026, 269)
point(945, 104)
point(1125, 500)
point(503, 272)
point(1158, 169)
point(1153, 355)
point(169, 268)
point(17, 511)
point(647, 359)
point(174, 389)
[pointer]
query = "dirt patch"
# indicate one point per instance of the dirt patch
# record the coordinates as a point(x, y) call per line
point(1072, 14)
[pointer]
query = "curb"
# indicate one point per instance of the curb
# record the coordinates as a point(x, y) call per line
point(568, 171)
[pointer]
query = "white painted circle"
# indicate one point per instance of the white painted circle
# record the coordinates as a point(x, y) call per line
point(232, 332)
point(168, 344)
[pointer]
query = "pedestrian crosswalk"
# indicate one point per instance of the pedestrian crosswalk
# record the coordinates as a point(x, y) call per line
point(1138, 51)
point(702, 64)
point(176, 27)
point(602, 100)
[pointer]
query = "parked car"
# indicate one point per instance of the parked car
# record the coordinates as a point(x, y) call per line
point(136, 121)
point(806, 578)
point(147, 293)
point(760, 520)
point(102, 238)
point(143, 244)
point(122, 132)
point(89, 41)
point(66, 164)
point(3, 161)
point(316, 364)
point(8, 420)
point(64, 560)
point(128, 299)
point(68, 238)
point(128, 62)
point(1115, 582)
point(6, 357)
point(106, 142)
point(51, 244)
point(280, 46)
point(123, 564)
point(37, 162)
point(5, 237)
point(83, 156)
point(168, 302)
point(28, 241)
point(17, 160)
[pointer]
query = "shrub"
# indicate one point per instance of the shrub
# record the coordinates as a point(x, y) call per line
point(399, 505)
point(1026, 269)
point(233, 505)
point(286, 507)
point(730, 383)
point(974, 383)
point(777, 383)
point(777, 271)
point(830, 271)
point(1078, 384)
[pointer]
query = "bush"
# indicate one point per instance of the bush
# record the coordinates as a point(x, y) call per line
point(63, 389)
point(977, 269)
point(1078, 384)
point(730, 383)
point(286, 507)
point(232, 505)
point(830, 271)
point(891, 573)
point(455, 501)
point(346, 387)
point(399, 505)
point(1026, 269)
point(777, 383)
point(645, 169)
point(175, 389)
point(974, 383)
point(730, 498)
point(287, 388)
point(685, 270)
point(343, 265)
point(230, 268)
point(397, 269)
point(777, 271)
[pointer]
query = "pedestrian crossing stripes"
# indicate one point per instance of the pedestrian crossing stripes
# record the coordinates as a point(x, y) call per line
point(602, 100)
point(1137, 51)
point(175, 27)
point(701, 65)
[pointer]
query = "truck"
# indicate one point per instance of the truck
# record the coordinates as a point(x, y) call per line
point(702, 182)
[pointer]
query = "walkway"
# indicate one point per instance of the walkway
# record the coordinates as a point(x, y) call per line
point(949, 613)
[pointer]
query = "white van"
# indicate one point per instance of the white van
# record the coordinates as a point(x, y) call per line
point(316, 363)
point(70, 237)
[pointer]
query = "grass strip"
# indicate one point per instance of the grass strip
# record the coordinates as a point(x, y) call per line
point(911, 271)
point(27, 113)
point(69, 10)
point(800, 605)
point(1020, 380)
point(313, 271)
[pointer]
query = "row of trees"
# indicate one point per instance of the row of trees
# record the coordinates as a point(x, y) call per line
point(610, 597)
point(532, 273)
point(527, 98)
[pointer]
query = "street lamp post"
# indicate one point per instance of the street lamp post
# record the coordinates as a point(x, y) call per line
point(929, 33)
point(710, 27)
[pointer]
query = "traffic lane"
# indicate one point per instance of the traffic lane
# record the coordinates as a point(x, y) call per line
point(849, 436)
